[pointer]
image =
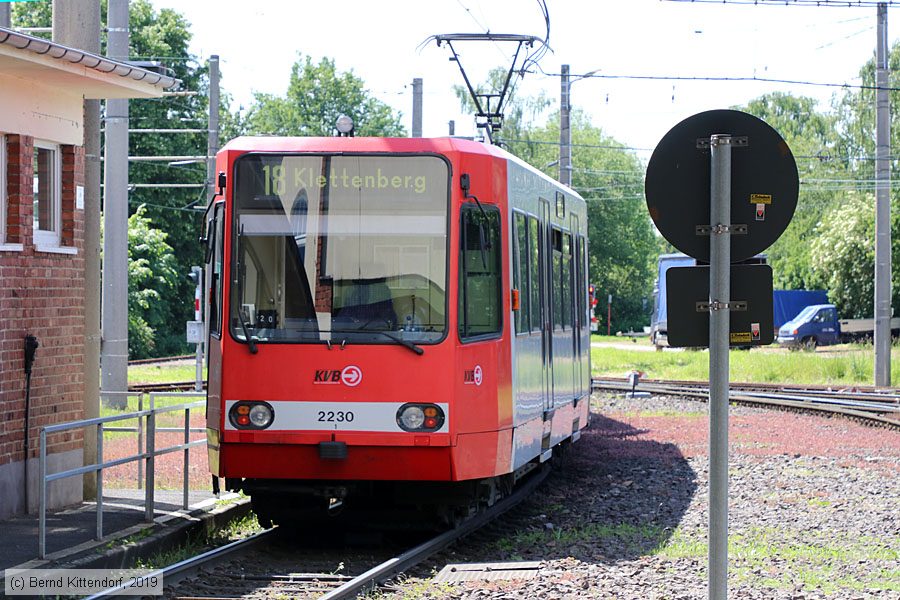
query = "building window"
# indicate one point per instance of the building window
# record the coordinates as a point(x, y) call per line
point(47, 192)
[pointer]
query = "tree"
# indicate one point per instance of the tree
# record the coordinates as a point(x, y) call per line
point(152, 276)
point(813, 139)
point(162, 36)
point(856, 114)
point(317, 95)
point(622, 248)
point(843, 251)
point(519, 113)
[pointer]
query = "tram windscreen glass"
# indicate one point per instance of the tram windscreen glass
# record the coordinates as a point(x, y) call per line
point(340, 248)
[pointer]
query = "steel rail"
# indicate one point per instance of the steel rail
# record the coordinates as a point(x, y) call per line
point(163, 359)
point(368, 580)
point(702, 391)
point(865, 410)
point(173, 386)
point(190, 566)
point(850, 391)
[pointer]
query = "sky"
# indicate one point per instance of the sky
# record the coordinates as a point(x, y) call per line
point(385, 43)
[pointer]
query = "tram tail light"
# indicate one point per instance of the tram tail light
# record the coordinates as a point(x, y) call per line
point(251, 415)
point(514, 298)
point(420, 417)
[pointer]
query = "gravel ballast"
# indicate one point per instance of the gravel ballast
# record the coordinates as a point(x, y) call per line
point(813, 512)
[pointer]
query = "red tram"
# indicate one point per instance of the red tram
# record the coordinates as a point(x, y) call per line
point(391, 322)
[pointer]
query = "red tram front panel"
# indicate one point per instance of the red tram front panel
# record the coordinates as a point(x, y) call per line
point(306, 380)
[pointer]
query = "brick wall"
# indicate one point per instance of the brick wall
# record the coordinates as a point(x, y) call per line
point(41, 294)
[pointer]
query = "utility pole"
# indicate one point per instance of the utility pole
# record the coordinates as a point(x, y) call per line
point(212, 146)
point(114, 349)
point(451, 127)
point(76, 23)
point(5, 15)
point(882, 206)
point(565, 131)
point(417, 108)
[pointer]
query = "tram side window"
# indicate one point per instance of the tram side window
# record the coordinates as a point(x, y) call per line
point(557, 275)
point(581, 305)
point(216, 240)
point(479, 272)
point(520, 272)
point(534, 262)
point(567, 298)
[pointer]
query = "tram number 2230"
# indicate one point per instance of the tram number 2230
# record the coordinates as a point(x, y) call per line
point(335, 416)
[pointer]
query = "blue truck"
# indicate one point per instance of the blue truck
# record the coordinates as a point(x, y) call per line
point(659, 325)
point(818, 325)
point(787, 304)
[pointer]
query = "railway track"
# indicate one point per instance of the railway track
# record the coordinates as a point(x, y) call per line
point(164, 359)
point(869, 406)
point(324, 586)
point(173, 386)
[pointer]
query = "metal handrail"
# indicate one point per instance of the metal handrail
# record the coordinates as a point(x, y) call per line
point(146, 454)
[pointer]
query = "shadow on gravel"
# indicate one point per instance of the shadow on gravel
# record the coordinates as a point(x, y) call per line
point(611, 497)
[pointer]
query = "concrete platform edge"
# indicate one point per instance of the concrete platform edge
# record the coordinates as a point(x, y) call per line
point(170, 531)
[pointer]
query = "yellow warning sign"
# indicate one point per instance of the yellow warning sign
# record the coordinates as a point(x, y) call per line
point(760, 198)
point(741, 337)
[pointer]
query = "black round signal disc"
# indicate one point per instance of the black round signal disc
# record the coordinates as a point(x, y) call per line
point(764, 183)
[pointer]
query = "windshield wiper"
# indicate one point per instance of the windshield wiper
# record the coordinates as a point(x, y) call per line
point(405, 343)
point(399, 340)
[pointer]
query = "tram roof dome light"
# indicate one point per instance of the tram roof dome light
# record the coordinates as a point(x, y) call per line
point(344, 125)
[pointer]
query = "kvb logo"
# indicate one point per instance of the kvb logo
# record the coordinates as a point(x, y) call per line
point(474, 376)
point(350, 376)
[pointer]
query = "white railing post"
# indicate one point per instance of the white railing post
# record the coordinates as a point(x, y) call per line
point(140, 441)
point(99, 481)
point(187, 455)
point(42, 498)
point(146, 454)
point(151, 474)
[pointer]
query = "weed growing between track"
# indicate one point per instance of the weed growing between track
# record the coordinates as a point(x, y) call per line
point(843, 365)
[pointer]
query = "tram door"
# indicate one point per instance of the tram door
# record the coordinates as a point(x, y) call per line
point(544, 258)
point(577, 303)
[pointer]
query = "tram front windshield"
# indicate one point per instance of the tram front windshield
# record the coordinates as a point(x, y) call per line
point(341, 249)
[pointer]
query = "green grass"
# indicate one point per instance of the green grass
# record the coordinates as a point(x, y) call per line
point(812, 562)
point(844, 365)
point(630, 535)
point(162, 373)
point(811, 559)
point(413, 590)
point(238, 528)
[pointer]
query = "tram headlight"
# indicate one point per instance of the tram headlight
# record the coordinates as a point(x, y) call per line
point(412, 418)
point(251, 415)
point(261, 415)
point(420, 417)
